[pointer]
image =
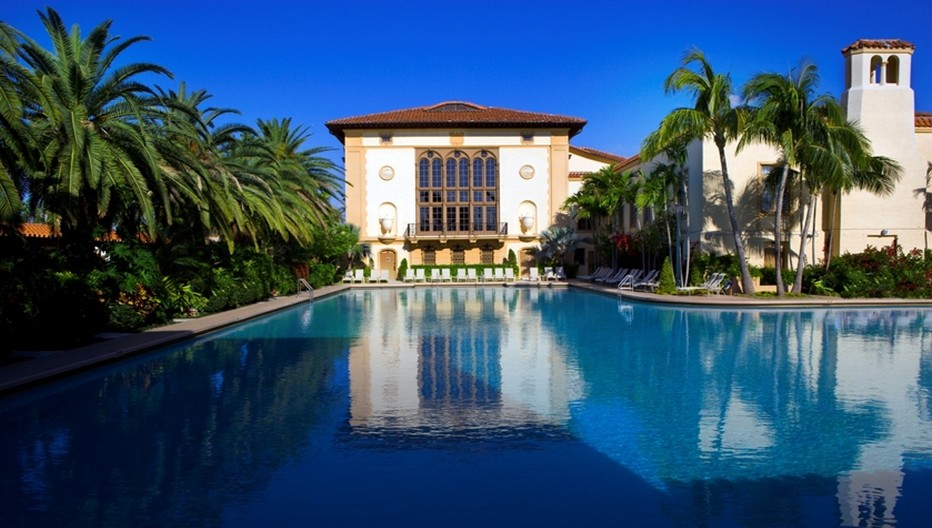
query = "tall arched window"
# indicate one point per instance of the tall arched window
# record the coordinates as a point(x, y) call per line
point(457, 192)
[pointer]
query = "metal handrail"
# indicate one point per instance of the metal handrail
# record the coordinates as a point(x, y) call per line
point(305, 284)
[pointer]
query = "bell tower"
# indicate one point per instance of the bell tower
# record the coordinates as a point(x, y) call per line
point(879, 98)
point(877, 92)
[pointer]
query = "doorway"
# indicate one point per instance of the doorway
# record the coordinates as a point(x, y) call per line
point(387, 260)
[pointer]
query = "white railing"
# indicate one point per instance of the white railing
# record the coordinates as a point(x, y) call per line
point(302, 283)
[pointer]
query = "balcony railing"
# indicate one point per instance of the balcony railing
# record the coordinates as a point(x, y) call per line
point(432, 230)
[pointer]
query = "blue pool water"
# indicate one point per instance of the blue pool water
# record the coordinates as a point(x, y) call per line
point(499, 407)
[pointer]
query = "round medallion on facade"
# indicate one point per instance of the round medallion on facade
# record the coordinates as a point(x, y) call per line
point(386, 172)
point(526, 172)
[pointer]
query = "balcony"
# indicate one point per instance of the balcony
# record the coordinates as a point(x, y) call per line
point(442, 232)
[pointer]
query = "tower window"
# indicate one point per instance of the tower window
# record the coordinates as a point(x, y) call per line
point(876, 69)
point(893, 70)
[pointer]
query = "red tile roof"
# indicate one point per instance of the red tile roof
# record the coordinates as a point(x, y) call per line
point(879, 44)
point(630, 162)
point(923, 119)
point(37, 231)
point(455, 114)
point(34, 230)
point(601, 153)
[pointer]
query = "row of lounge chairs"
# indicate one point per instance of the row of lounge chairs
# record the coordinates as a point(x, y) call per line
point(634, 279)
point(358, 275)
point(506, 274)
point(462, 275)
point(624, 278)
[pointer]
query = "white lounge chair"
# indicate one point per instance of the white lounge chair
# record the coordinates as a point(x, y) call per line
point(560, 273)
point(487, 275)
point(419, 275)
point(499, 275)
point(435, 275)
point(348, 277)
point(384, 276)
point(509, 274)
point(617, 277)
point(533, 274)
point(409, 275)
point(601, 272)
point(358, 276)
point(648, 282)
point(712, 285)
point(471, 275)
point(445, 275)
point(613, 277)
point(548, 273)
point(461, 275)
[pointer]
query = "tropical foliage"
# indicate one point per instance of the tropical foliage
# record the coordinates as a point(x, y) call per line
point(163, 206)
point(875, 272)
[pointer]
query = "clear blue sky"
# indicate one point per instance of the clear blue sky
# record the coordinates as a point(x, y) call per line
point(604, 61)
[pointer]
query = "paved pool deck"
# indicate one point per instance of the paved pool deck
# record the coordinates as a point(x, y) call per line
point(47, 366)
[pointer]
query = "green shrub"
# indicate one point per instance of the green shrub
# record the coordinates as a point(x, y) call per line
point(402, 269)
point(322, 274)
point(667, 281)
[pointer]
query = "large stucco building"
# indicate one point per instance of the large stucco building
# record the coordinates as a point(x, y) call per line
point(458, 182)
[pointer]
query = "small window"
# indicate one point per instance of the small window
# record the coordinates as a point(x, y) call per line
point(385, 138)
point(584, 224)
point(488, 256)
point(430, 256)
point(527, 138)
point(459, 256)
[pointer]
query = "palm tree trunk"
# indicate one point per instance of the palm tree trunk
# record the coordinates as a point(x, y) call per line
point(747, 285)
point(830, 239)
point(801, 264)
point(686, 241)
point(778, 230)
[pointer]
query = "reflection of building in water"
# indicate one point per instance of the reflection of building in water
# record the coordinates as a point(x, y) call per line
point(854, 379)
point(866, 343)
point(455, 358)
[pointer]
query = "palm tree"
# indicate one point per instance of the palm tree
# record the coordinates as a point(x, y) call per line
point(14, 136)
point(786, 116)
point(556, 242)
point(202, 182)
point(664, 189)
point(601, 198)
point(285, 189)
point(838, 156)
point(712, 116)
point(92, 120)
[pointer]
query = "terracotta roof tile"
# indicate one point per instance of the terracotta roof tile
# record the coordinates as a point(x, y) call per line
point(630, 162)
point(37, 231)
point(601, 153)
point(578, 175)
point(923, 119)
point(878, 44)
point(455, 114)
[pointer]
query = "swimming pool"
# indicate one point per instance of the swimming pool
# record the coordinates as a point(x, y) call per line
point(495, 406)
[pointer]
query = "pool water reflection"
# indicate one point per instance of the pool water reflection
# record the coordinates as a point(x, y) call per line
point(510, 406)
